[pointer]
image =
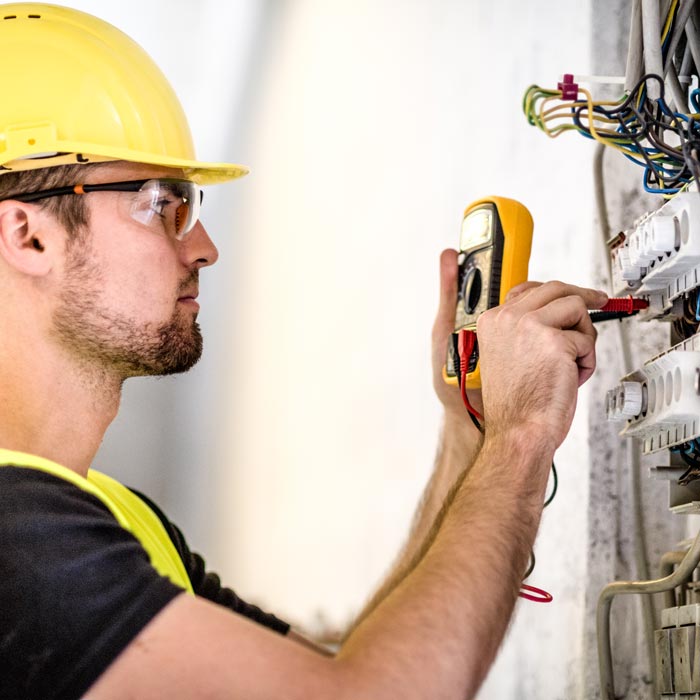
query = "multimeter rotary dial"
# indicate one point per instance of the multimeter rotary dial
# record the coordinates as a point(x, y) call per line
point(475, 286)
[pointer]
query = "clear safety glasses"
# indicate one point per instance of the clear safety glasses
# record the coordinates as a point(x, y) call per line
point(168, 204)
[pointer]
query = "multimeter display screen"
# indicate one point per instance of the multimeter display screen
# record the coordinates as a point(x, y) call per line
point(476, 229)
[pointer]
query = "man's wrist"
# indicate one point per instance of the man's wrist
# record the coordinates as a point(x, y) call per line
point(524, 441)
point(459, 430)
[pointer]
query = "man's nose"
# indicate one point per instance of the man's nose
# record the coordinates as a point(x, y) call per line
point(198, 249)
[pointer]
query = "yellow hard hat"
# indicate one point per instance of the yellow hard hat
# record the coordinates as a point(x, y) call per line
point(76, 89)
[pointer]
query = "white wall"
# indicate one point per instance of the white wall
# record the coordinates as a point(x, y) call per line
point(375, 124)
point(294, 454)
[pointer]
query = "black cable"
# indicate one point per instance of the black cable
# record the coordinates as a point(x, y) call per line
point(476, 422)
point(554, 487)
point(690, 461)
point(531, 565)
point(600, 316)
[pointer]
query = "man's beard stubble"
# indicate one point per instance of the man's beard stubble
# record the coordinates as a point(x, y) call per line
point(114, 343)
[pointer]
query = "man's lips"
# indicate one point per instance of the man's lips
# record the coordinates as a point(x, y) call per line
point(189, 299)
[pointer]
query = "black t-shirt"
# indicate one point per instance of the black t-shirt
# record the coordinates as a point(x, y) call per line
point(76, 587)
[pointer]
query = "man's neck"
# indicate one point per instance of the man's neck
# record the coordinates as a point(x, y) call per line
point(52, 408)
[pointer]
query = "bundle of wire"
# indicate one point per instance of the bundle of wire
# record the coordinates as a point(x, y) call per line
point(665, 143)
point(648, 131)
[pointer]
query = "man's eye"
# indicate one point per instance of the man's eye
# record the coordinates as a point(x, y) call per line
point(160, 205)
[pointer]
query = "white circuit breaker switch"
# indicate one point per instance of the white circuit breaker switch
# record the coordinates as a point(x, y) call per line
point(661, 235)
point(661, 400)
point(625, 271)
point(630, 399)
point(624, 401)
point(638, 250)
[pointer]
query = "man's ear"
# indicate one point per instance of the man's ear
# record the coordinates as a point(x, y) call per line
point(25, 238)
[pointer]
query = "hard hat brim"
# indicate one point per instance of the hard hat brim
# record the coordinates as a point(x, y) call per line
point(67, 152)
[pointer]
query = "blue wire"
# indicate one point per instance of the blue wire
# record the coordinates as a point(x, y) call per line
point(657, 190)
point(664, 107)
point(634, 160)
point(697, 313)
point(694, 99)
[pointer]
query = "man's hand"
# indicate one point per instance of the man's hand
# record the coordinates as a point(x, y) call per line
point(442, 329)
point(536, 349)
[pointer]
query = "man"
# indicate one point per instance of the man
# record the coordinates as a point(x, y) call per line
point(100, 254)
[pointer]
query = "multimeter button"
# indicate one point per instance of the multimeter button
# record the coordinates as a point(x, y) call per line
point(472, 290)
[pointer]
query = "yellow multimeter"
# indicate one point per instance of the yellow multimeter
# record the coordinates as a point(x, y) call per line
point(494, 252)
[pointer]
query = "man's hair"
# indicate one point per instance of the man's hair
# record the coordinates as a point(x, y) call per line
point(70, 210)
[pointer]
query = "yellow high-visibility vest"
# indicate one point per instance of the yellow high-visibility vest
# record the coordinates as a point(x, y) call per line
point(129, 510)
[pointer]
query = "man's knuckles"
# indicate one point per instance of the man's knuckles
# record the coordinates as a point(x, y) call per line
point(521, 289)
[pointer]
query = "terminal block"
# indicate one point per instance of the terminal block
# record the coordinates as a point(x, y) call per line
point(659, 258)
point(678, 652)
point(660, 402)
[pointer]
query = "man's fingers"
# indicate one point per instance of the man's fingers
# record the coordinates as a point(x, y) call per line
point(566, 327)
point(567, 313)
point(521, 289)
point(445, 318)
point(548, 292)
point(584, 347)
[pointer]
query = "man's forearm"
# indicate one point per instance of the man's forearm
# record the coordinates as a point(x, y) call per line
point(439, 629)
point(459, 445)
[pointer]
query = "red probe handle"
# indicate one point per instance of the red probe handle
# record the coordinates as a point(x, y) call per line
point(625, 304)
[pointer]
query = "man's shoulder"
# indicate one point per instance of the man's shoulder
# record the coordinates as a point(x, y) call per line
point(49, 525)
point(26, 490)
point(73, 580)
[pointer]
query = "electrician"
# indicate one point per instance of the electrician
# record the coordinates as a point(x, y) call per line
point(100, 254)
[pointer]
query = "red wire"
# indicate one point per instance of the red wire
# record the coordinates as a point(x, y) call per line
point(539, 597)
point(465, 346)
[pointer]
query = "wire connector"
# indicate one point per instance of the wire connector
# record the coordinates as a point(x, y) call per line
point(568, 88)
